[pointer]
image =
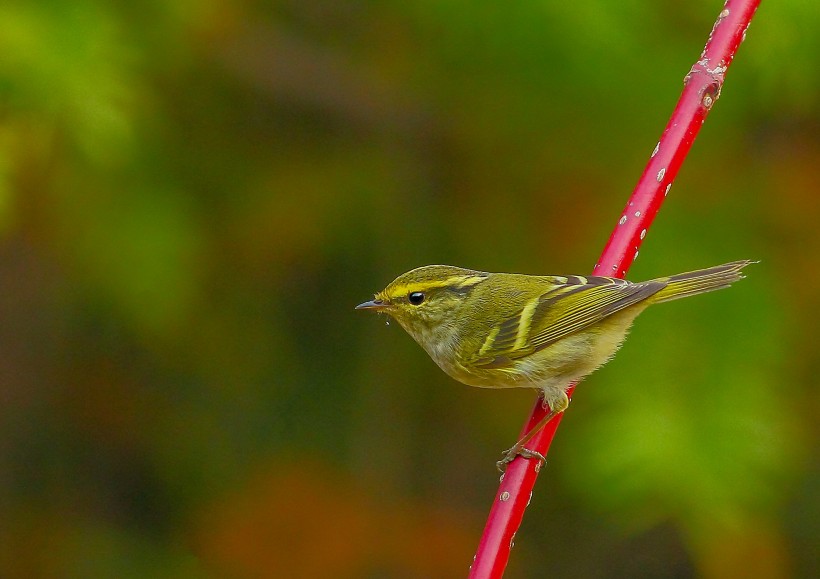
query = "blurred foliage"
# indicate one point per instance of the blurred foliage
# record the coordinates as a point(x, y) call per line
point(194, 195)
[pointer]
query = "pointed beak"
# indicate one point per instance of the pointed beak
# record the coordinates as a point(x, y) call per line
point(372, 305)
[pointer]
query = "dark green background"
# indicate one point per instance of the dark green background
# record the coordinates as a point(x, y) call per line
point(194, 195)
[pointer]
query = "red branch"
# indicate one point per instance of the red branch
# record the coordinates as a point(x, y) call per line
point(701, 89)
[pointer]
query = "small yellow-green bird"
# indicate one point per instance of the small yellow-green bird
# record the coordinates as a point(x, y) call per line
point(505, 330)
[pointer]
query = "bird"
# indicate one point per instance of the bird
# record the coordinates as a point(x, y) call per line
point(544, 332)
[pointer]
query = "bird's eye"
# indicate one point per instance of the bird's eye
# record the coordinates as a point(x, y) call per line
point(416, 298)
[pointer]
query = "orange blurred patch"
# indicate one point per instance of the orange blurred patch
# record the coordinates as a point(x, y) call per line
point(307, 520)
point(756, 551)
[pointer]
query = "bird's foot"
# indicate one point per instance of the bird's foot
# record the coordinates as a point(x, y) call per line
point(509, 456)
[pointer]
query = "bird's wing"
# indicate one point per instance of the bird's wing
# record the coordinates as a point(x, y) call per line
point(571, 304)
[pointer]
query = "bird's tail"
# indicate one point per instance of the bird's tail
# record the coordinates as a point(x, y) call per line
point(701, 281)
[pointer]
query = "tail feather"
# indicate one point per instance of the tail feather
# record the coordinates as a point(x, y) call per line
point(701, 281)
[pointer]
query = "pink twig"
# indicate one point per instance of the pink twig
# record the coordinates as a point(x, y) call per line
point(702, 87)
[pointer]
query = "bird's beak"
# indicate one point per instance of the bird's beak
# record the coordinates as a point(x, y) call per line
point(372, 305)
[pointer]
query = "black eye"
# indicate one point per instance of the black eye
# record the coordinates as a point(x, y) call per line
point(416, 298)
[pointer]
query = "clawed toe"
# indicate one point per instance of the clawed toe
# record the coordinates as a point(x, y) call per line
point(509, 456)
point(527, 453)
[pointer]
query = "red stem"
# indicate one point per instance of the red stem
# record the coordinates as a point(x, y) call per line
point(701, 89)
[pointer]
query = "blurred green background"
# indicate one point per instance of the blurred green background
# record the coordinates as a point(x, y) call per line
point(194, 195)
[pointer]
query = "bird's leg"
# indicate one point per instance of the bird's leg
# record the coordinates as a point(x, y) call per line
point(557, 406)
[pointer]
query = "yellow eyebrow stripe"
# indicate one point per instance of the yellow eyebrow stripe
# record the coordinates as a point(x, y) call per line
point(468, 281)
point(457, 282)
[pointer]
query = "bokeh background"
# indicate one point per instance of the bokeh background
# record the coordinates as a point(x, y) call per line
point(194, 195)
